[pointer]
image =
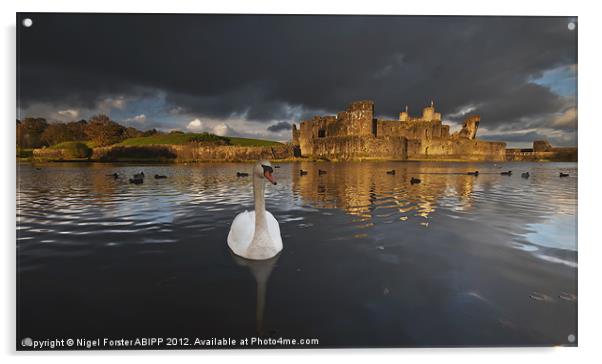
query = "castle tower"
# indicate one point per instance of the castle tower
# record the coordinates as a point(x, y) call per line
point(428, 113)
point(296, 133)
point(403, 116)
point(360, 116)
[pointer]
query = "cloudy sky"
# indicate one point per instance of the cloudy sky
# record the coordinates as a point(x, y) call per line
point(254, 75)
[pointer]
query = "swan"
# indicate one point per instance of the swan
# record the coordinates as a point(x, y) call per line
point(256, 235)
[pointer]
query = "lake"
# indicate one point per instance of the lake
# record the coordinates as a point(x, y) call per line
point(369, 259)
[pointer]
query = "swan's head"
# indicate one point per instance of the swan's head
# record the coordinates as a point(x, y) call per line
point(264, 169)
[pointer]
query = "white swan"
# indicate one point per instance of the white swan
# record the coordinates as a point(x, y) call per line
point(256, 234)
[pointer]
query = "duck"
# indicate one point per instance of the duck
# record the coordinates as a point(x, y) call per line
point(114, 175)
point(242, 174)
point(137, 181)
point(415, 180)
point(508, 173)
point(139, 175)
point(321, 172)
point(564, 174)
point(302, 172)
point(158, 176)
point(391, 172)
point(255, 235)
point(475, 173)
point(276, 166)
point(525, 175)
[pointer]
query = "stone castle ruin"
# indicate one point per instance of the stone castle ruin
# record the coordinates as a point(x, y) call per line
point(542, 151)
point(356, 134)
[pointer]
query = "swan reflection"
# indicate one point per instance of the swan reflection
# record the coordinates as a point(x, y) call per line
point(261, 270)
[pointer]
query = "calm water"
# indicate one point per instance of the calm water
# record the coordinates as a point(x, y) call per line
point(369, 259)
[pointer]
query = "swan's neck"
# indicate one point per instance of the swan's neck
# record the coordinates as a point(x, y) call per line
point(261, 225)
point(258, 192)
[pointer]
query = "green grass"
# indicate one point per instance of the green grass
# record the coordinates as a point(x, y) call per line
point(75, 149)
point(190, 137)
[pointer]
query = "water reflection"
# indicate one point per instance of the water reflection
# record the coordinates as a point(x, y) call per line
point(261, 270)
point(364, 188)
point(368, 258)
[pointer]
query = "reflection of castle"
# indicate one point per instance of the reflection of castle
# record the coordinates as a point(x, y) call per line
point(362, 189)
point(356, 133)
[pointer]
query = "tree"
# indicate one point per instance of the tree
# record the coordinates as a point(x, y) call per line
point(29, 132)
point(131, 132)
point(103, 131)
point(57, 133)
point(151, 132)
point(77, 129)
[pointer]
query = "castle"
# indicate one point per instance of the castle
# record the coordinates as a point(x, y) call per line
point(356, 134)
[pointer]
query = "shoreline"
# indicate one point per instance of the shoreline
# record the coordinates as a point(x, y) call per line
point(286, 160)
point(204, 153)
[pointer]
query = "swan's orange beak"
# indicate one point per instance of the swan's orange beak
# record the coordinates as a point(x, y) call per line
point(268, 175)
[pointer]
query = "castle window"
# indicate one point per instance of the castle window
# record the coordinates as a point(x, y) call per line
point(321, 133)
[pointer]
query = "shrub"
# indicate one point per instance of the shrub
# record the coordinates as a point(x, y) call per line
point(103, 131)
point(24, 152)
point(208, 138)
point(75, 149)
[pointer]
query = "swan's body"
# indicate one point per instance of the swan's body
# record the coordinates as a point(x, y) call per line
point(242, 233)
point(256, 234)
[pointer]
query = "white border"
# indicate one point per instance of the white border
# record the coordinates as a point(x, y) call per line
point(590, 134)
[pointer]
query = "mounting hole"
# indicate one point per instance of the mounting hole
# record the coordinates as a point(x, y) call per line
point(27, 341)
point(27, 22)
point(571, 338)
point(571, 26)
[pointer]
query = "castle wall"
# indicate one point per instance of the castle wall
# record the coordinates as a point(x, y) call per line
point(542, 151)
point(412, 130)
point(359, 147)
point(542, 146)
point(464, 149)
point(174, 153)
point(560, 155)
point(355, 133)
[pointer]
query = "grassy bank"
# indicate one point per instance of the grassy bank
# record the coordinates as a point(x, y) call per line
point(65, 145)
point(24, 152)
point(185, 138)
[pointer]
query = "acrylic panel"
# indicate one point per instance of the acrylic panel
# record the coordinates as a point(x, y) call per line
point(204, 181)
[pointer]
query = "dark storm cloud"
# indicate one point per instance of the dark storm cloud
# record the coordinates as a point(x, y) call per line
point(283, 125)
point(274, 68)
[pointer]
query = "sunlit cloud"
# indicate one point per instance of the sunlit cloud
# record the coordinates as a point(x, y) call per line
point(567, 119)
point(138, 118)
point(110, 103)
point(195, 125)
point(220, 129)
point(70, 113)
